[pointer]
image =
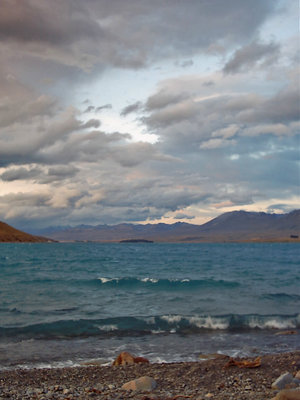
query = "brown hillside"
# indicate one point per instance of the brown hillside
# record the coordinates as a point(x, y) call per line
point(10, 234)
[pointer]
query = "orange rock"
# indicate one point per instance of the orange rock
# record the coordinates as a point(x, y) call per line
point(244, 363)
point(141, 360)
point(125, 358)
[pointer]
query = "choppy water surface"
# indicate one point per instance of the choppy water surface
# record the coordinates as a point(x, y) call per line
point(62, 303)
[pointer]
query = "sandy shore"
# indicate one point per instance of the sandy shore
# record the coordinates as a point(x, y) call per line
point(191, 380)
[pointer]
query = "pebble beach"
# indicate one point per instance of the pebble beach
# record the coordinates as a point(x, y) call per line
point(188, 380)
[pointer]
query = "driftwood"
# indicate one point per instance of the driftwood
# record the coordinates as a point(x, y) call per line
point(243, 363)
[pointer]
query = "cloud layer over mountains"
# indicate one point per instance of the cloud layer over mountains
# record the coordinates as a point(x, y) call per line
point(115, 111)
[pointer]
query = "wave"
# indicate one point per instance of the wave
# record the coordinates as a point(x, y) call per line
point(281, 297)
point(162, 324)
point(185, 283)
point(135, 283)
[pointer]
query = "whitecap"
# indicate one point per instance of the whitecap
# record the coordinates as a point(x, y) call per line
point(152, 280)
point(209, 322)
point(171, 318)
point(106, 280)
point(107, 328)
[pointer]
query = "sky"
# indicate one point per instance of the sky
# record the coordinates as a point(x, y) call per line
point(143, 111)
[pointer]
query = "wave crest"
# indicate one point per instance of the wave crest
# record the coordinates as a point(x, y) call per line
point(184, 283)
point(136, 326)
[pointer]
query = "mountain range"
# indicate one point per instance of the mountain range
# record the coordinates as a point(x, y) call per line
point(229, 227)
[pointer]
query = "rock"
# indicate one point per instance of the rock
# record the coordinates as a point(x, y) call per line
point(282, 381)
point(288, 394)
point(125, 358)
point(145, 383)
point(295, 383)
point(111, 386)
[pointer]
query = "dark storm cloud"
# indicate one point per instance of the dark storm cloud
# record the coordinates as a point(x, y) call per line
point(20, 173)
point(57, 22)
point(225, 138)
point(252, 55)
point(86, 33)
point(40, 175)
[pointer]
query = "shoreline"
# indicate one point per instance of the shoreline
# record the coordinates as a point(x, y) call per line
point(194, 380)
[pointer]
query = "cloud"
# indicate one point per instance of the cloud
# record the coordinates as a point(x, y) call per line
point(283, 107)
point(216, 143)
point(22, 204)
point(183, 216)
point(21, 173)
point(89, 109)
point(163, 99)
point(131, 108)
point(104, 107)
point(185, 63)
point(189, 121)
point(175, 113)
point(225, 126)
point(251, 55)
point(19, 103)
point(89, 33)
point(227, 132)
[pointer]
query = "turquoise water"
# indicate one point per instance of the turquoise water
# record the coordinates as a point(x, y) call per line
point(65, 303)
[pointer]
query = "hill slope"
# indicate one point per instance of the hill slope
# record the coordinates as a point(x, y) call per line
point(251, 225)
point(232, 226)
point(10, 234)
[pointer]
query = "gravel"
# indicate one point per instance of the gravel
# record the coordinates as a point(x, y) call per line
point(189, 380)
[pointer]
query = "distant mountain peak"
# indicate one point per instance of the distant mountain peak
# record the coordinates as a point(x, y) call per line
point(236, 225)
